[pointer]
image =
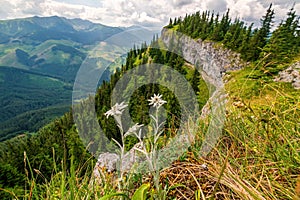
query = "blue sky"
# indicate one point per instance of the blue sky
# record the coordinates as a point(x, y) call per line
point(141, 12)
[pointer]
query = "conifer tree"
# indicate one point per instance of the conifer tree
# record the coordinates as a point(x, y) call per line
point(283, 43)
point(260, 37)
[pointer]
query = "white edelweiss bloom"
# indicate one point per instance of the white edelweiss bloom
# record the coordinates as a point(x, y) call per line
point(156, 101)
point(134, 129)
point(116, 110)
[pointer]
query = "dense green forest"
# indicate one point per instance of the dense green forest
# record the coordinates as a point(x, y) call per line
point(31, 99)
point(38, 157)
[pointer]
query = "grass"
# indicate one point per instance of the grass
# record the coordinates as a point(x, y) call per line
point(263, 133)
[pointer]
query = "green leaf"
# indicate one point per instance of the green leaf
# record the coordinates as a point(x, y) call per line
point(141, 192)
point(107, 197)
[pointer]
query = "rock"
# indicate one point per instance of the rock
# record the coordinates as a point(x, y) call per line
point(290, 75)
point(213, 60)
point(296, 84)
point(108, 161)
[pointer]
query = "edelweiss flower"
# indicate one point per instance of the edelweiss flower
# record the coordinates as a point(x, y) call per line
point(156, 101)
point(134, 129)
point(116, 110)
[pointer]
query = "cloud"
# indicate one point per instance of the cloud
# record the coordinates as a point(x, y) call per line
point(248, 10)
point(252, 11)
point(217, 6)
point(179, 3)
point(141, 12)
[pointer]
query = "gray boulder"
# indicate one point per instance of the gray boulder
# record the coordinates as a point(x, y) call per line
point(290, 75)
point(108, 161)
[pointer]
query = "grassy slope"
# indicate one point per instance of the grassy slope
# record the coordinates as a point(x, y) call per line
point(263, 125)
point(256, 158)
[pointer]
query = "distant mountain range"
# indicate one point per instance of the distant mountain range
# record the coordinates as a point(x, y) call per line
point(51, 45)
point(39, 59)
point(39, 29)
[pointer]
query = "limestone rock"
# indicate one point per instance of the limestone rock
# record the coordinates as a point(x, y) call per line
point(108, 161)
point(214, 60)
point(290, 75)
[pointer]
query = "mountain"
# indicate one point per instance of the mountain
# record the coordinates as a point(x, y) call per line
point(39, 29)
point(39, 59)
point(54, 46)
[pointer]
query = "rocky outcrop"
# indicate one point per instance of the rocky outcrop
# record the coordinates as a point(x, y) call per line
point(211, 58)
point(290, 75)
point(106, 161)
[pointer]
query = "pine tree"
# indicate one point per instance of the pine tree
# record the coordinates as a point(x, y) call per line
point(170, 23)
point(260, 37)
point(283, 43)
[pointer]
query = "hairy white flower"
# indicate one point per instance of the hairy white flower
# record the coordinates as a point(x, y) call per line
point(156, 101)
point(134, 129)
point(116, 110)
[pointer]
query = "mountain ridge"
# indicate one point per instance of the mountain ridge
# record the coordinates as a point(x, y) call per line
point(34, 27)
point(36, 49)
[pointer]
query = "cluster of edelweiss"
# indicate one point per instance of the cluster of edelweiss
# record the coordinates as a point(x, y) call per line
point(116, 111)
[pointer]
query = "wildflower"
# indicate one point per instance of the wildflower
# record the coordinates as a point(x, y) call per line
point(135, 128)
point(116, 110)
point(156, 101)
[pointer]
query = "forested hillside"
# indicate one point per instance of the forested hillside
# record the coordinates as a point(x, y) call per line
point(63, 130)
point(257, 156)
point(39, 60)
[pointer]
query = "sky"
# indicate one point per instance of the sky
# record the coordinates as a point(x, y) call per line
point(148, 13)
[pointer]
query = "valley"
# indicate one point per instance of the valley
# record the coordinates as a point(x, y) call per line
point(39, 60)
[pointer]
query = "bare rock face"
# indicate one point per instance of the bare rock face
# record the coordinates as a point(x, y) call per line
point(208, 57)
point(290, 75)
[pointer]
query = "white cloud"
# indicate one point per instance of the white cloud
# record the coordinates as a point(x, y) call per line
point(248, 10)
point(217, 6)
point(177, 3)
point(140, 12)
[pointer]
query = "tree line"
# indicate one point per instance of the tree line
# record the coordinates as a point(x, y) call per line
point(278, 46)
